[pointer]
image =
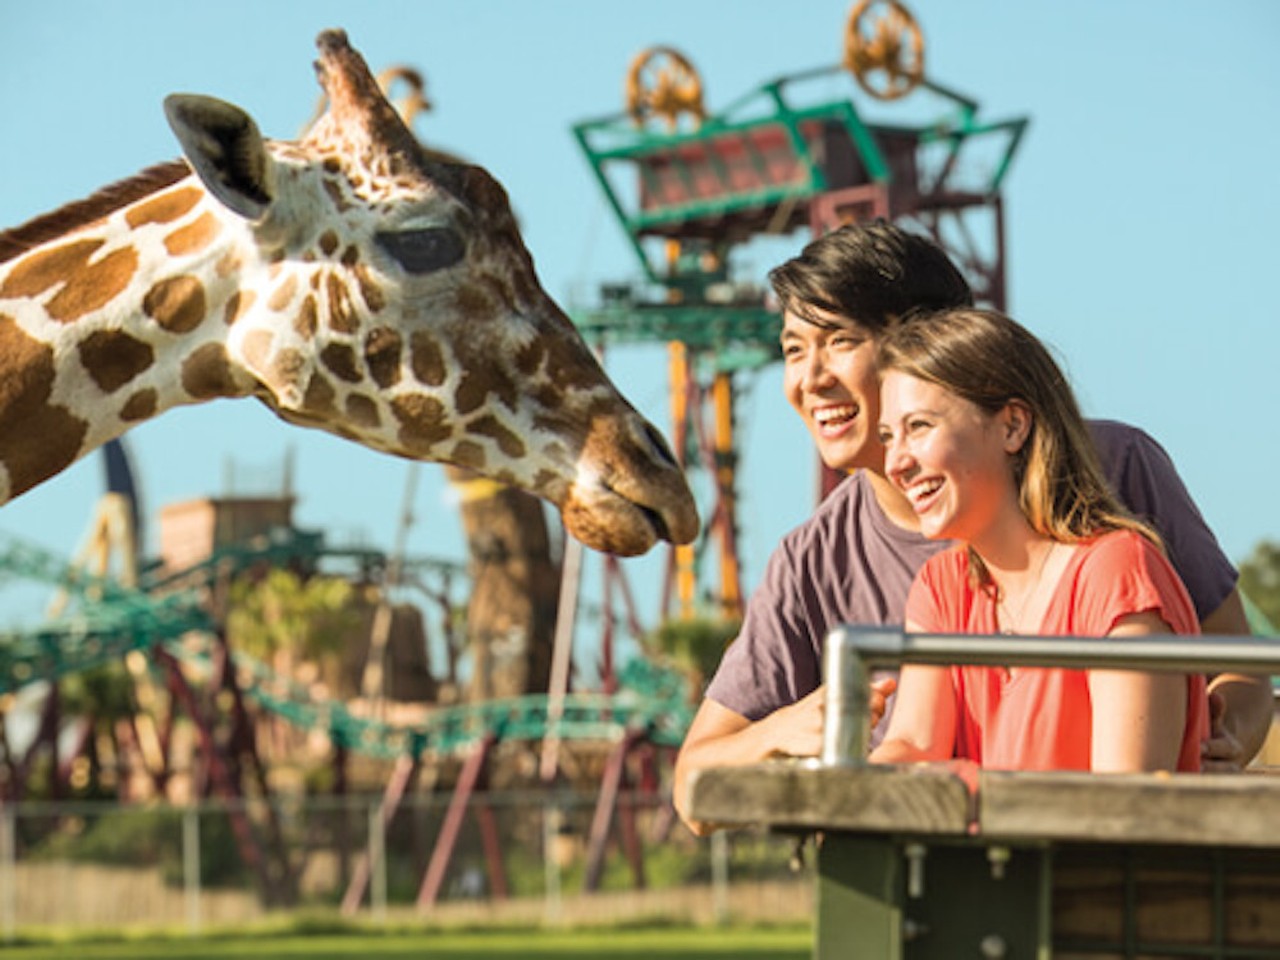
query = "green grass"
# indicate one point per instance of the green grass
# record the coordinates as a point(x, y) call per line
point(669, 943)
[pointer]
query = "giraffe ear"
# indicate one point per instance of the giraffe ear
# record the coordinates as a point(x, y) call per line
point(224, 146)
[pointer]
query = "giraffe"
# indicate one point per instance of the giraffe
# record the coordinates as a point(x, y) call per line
point(352, 280)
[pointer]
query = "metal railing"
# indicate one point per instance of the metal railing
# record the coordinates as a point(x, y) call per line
point(853, 652)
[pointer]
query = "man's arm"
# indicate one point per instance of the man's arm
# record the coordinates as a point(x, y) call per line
point(1241, 705)
point(719, 737)
point(1144, 476)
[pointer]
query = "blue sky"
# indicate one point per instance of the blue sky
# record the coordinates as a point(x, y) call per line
point(1141, 209)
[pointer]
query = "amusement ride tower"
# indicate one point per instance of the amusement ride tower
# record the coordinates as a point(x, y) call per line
point(690, 187)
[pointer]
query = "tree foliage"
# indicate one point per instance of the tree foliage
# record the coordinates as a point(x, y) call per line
point(693, 646)
point(283, 613)
point(1260, 580)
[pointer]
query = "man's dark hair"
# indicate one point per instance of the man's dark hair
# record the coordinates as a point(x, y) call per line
point(869, 273)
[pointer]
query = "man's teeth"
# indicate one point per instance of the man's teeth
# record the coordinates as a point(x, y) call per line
point(921, 490)
point(831, 414)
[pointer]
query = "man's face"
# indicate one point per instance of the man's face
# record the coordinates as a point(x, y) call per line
point(829, 377)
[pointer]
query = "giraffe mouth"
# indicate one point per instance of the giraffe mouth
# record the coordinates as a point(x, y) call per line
point(656, 520)
point(617, 521)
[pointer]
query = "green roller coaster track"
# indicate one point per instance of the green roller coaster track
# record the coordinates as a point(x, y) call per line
point(111, 621)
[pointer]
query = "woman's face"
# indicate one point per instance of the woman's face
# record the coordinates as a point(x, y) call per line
point(948, 456)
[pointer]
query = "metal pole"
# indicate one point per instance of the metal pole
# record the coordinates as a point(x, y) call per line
point(1176, 653)
point(845, 674)
point(377, 864)
point(561, 656)
point(9, 872)
point(551, 820)
point(852, 651)
point(191, 867)
point(720, 877)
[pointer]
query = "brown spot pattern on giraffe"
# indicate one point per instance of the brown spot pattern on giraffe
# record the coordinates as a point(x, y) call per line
point(328, 243)
point(141, 406)
point(491, 426)
point(84, 286)
point(206, 373)
point(283, 294)
point(163, 208)
point(422, 421)
point(473, 304)
point(529, 357)
point(238, 305)
point(112, 358)
point(93, 287)
point(382, 353)
point(286, 368)
point(227, 264)
point(257, 347)
point(340, 359)
point(468, 453)
point(305, 322)
point(373, 296)
point(426, 360)
point(194, 237)
point(37, 439)
point(319, 396)
point(177, 304)
point(341, 315)
point(336, 196)
point(363, 411)
point(33, 275)
point(476, 383)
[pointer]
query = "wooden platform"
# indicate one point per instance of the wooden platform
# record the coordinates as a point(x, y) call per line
point(948, 861)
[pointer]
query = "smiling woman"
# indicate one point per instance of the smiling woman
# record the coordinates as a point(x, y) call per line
point(983, 437)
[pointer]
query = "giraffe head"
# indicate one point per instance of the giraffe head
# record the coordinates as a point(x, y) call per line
point(384, 294)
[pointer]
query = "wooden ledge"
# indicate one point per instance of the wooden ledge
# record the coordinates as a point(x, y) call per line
point(1239, 810)
point(1236, 810)
point(927, 799)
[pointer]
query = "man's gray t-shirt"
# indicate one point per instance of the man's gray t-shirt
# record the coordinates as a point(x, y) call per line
point(849, 563)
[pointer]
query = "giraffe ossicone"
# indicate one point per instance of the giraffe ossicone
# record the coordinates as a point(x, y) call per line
point(354, 281)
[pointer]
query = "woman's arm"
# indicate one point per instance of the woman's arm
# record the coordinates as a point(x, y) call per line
point(1138, 717)
point(923, 725)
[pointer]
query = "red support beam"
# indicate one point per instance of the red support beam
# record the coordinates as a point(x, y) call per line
point(405, 769)
point(492, 849)
point(469, 776)
point(244, 742)
point(611, 784)
point(219, 772)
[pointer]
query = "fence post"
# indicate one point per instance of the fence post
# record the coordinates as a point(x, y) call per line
point(720, 877)
point(191, 867)
point(551, 819)
point(8, 872)
point(377, 864)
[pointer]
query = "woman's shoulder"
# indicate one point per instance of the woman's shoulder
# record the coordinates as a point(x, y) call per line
point(1117, 548)
point(1122, 570)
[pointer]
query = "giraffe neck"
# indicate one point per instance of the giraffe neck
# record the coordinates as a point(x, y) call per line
point(112, 322)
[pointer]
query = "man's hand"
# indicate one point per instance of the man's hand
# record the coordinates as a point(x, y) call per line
point(880, 691)
point(796, 730)
point(1222, 752)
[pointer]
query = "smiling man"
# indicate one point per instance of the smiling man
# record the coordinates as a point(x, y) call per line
point(854, 560)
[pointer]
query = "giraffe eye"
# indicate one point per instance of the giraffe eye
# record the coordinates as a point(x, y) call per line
point(424, 251)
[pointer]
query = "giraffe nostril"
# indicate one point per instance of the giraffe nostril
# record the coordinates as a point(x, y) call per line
point(659, 524)
point(659, 445)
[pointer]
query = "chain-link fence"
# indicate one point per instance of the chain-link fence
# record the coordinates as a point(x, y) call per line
point(508, 857)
